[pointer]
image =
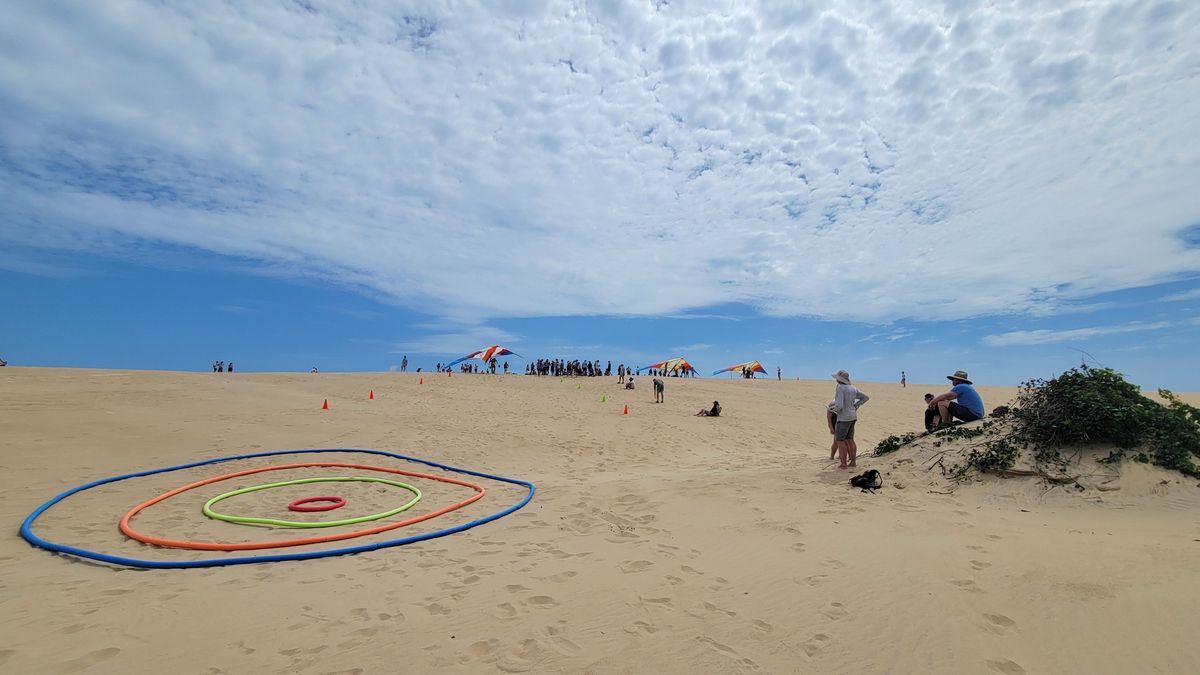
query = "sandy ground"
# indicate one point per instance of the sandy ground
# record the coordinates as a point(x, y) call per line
point(657, 542)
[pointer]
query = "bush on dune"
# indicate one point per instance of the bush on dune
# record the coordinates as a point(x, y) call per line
point(1081, 407)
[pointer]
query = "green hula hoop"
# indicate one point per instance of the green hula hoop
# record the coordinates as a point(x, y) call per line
point(295, 523)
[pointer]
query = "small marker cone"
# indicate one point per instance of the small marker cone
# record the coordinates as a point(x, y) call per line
point(325, 405)
point(422, 381)
point(449, 374)
point(626, 409)
point(579, 385)
point(371, 397)
point(603, 398)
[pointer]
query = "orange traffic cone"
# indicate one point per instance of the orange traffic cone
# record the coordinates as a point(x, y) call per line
point(325, 405)
point(371, 397)
point(422, 381)
point(449, 374)
point(626, 409)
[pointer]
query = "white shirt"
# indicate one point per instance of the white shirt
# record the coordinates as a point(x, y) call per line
point(847, 399)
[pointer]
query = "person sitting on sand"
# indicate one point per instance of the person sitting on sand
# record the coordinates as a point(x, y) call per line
point(629, 384)
point(961, 402)
point(931, 414)
point(715, 411)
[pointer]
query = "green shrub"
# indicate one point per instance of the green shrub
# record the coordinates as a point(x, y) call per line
point(1087, 406)
point(1082, 406)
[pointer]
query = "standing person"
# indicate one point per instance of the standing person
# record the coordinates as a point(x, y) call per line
point(847, 400)
point(230, 370)
point(658, 390)
point(962, 401)
point(621, 374)
point(404, 363)
point(831, 420)
point(902, 382)
point(779, 373)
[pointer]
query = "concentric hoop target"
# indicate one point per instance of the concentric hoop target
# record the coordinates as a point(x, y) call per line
point(28, 534)
point(208, 511)
point(128, 530)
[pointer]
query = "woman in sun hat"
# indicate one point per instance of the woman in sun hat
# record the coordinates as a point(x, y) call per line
point(847, 399)
point(961, 402)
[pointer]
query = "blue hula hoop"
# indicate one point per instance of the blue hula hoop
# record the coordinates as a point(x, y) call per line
point(35, 540)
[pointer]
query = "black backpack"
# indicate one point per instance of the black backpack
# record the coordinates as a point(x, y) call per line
point(869, 481)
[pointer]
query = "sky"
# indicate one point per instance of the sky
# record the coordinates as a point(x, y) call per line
point(1006, 188)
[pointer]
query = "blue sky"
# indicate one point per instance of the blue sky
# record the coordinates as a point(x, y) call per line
point(874, 186)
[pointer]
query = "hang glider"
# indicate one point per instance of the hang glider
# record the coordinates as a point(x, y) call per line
point(669, 366)
point(485, 355)
point(743, 368)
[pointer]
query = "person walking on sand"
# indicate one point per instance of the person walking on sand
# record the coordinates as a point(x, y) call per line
point(903, 383)
point(847, 400)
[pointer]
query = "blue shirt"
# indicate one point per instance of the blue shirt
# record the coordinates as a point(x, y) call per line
point(968, 398)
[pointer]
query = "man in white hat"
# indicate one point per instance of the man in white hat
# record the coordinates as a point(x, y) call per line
point(847, 399)
point(961, 402)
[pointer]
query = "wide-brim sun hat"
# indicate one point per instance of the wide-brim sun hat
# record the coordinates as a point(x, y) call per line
point(841, 376)
point(960, 375)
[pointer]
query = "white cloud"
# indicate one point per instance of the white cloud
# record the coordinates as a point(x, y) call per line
point(866, 161)
point(1037, 337)
point(1193, 294)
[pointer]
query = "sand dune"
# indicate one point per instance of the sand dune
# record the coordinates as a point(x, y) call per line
point(658, 542)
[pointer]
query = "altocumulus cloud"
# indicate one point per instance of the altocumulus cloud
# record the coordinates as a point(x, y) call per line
point(567, 158)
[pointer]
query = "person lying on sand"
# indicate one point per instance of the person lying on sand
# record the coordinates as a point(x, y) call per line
point(714, 412)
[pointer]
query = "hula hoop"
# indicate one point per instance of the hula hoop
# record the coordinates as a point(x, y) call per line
point(128, 530)
point(41, 542)
point(299, 504)
point(300, 523)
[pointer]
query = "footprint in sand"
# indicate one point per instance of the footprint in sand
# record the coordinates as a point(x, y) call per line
point(799, 547)
point(813, 645)
point(504, 610)
point(980, 565)
point(542, 601)
point(815, 579)
point(1000, 624)
point(835, 611)
point(88, 660)
point(712, 609)
point(967, 585)
point(762, 625)
point(725, 650)
point(640, 627)
point(1005, 666)
point(631, 566)
point(522, 658)
point(993, 537)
